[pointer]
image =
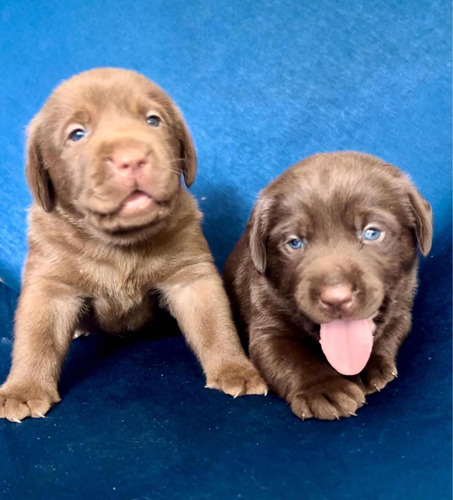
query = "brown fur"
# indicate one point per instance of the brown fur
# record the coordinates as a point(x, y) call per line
point(327, 200)
point(91, 266)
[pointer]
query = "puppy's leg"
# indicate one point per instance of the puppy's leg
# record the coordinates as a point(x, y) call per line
point(45, 321)
point(381, 367)
point(197, 300)
point(312, 387)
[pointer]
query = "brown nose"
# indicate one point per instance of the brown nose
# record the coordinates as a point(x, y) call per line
point(128, 160)
point(337, 298)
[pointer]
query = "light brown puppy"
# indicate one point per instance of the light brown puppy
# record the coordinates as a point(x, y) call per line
point(112, 231)
point(324, 278)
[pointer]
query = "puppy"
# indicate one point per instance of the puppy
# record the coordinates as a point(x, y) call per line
point(323, 280)
point(112, 231)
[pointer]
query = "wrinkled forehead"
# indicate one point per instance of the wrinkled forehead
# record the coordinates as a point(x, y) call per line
point(92, 93)
point(339, 196)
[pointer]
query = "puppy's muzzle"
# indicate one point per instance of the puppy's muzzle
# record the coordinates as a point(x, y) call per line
point(129, 161)
point(338, 300)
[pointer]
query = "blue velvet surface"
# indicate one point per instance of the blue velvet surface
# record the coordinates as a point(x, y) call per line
point(262, 84)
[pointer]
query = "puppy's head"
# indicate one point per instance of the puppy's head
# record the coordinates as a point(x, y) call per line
point(108, 149)
point(337, 234)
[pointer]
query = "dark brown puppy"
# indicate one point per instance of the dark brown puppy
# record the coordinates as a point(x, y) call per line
point(111, 229)
point(331, 242)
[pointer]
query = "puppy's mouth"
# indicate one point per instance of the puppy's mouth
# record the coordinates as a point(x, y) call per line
point(137, 212)
point(136, 203)
point(347, 344)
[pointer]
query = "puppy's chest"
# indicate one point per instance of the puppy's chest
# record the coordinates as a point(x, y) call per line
point(118, 289)
point(122, 295)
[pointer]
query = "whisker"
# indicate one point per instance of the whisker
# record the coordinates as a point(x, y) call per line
point(168, 165)
point(176, 159)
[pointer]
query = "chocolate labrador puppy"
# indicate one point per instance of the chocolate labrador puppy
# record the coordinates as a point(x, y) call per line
point(112, 231)
point(323, 280)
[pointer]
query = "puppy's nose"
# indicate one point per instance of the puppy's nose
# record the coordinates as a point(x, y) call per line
point(337, 298)
point(129, 160)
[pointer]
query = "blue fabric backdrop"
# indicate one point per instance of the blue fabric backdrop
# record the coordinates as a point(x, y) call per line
point(262, 84)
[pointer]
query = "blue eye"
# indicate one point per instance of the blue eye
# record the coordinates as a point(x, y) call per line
point(371, 234)
point(77, 134)
point(295, 243)
point(153, 120)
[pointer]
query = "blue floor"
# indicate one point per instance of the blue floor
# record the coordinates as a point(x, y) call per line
point(262, 84)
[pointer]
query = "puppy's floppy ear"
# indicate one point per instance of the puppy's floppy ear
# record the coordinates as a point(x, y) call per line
point(187, 149)
point(257, 229)
point(423, 217)
point(37, 175)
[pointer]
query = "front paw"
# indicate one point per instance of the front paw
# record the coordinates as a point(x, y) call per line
point(378, 373)
point(329, 400)
point(237, 379)
point(18, 402)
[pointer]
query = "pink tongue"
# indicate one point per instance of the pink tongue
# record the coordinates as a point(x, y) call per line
point(347, 344)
